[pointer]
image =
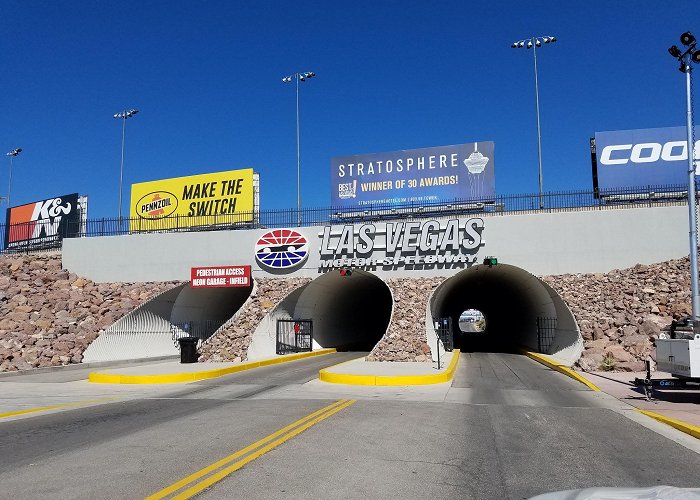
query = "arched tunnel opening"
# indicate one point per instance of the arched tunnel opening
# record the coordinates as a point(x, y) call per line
point(348, 313)
point(519, 311)
point(151, 329)
point(202, 311)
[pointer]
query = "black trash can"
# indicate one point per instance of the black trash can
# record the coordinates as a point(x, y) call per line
point(188, 349)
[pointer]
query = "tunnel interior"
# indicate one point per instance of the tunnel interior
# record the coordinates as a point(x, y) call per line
point(348, 312)
point(201, 311)
point(151, 329)
point(511, 301)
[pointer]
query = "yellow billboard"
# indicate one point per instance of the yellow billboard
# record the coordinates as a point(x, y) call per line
point(221, 198)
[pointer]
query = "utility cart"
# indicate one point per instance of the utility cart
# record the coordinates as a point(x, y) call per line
point(678, 353)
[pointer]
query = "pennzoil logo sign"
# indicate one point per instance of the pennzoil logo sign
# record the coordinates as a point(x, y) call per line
point(156, 205)
point(218, 198)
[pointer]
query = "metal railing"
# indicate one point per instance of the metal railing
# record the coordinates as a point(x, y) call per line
point(202, 329)
point(555, 201)
point(546, 331)
point(294, 335)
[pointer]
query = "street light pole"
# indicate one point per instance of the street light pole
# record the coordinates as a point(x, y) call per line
point(12, 155)
point(288, 79)
point(534, 42)
point(123, 116)
point(692, 208)
point(298, 161)
point(537, 108)
point(685, 58)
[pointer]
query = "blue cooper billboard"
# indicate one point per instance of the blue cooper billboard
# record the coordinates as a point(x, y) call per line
point(437, 174)
point(645, 157)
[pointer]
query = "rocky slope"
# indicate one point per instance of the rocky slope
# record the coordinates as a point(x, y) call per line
point(231, 341)
point(621, 312)
point(405, 339)
point(49, 316)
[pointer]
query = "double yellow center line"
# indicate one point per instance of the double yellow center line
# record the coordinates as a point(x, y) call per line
point(204, 478)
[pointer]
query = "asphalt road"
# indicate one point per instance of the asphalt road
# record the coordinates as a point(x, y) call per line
point(506, 427)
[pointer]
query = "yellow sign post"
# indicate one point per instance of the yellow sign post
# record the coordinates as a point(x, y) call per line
point(221, 198)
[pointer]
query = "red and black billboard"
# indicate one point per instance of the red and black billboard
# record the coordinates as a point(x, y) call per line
point(42, 224)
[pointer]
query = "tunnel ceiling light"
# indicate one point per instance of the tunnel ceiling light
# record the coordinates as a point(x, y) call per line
point(490, 261)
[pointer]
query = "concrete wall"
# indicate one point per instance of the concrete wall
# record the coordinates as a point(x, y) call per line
point(543, 244)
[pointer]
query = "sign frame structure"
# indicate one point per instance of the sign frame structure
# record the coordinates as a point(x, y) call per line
point(227, 198)
point(627, 161)
point(43, 224)
point(220, 277)
point(431, 175)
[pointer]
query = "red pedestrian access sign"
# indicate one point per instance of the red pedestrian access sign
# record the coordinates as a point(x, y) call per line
point(220, 277)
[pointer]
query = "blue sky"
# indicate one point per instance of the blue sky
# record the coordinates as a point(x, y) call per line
point(206, 77)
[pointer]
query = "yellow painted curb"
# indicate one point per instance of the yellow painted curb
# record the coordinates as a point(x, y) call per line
point(174, 378)
point(691, 429)
point(554, 365)
point(351, 379)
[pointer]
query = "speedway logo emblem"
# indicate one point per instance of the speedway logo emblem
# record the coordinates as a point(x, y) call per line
point(42, 224)
point(281, 249)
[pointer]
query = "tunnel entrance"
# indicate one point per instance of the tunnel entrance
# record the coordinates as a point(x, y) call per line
point(200, 312)
point(511, 300)
point(151, 329)
point(349, 313)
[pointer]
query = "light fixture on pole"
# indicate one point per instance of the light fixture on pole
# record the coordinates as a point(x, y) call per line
point(297, 77)
point(11, 154)
point(533, 43)
point(691, 54)
point(123, 116)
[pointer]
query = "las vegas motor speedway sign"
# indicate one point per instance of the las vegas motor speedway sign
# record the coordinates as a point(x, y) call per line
point(392, 245)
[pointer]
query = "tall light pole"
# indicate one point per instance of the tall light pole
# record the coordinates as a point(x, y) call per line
point(11, 154)
point(533, 43)
point(690, 55)
point(297, 77)
point(123, 116)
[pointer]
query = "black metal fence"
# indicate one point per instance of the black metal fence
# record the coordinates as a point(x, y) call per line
point(546, 329)
point(202, 329)
point(558, 201)
point(443, 329)
point(294, 335)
